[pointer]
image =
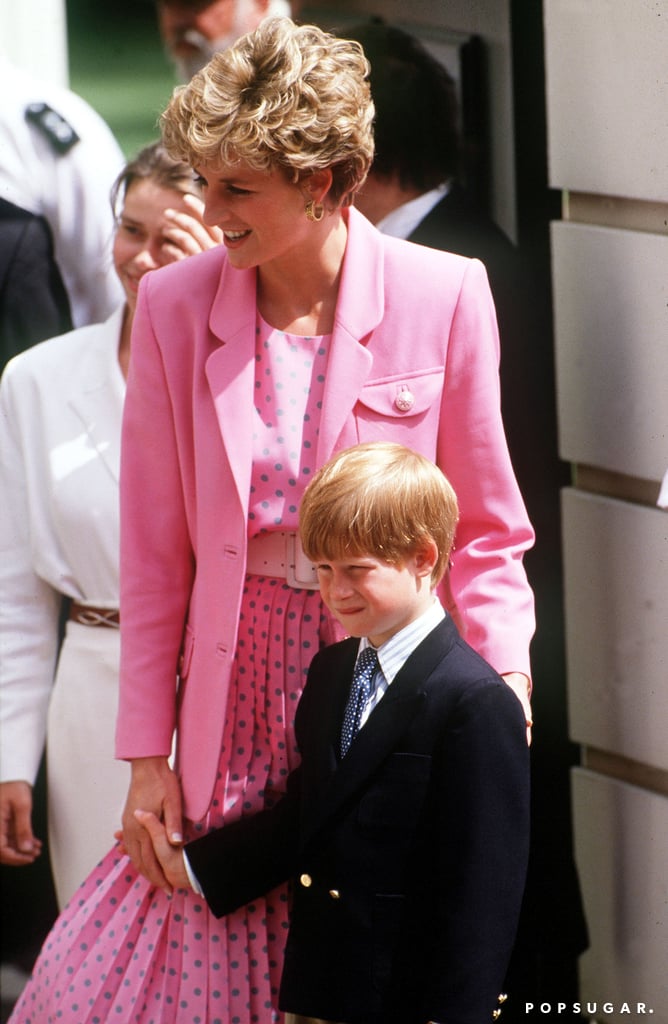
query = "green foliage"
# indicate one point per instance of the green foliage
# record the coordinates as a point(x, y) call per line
point(118, 65)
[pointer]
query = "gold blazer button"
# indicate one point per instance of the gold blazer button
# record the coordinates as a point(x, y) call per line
point(306, 880)
point(335, 894)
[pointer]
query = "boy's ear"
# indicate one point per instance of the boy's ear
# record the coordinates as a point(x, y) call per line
point(426, 557)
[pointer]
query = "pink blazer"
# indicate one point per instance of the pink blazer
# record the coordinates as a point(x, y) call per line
point(408, 319)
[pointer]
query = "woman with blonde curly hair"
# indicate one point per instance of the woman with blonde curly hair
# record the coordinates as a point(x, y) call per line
point(306, 332)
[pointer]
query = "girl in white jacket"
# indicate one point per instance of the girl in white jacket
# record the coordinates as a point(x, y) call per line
point(61, 404)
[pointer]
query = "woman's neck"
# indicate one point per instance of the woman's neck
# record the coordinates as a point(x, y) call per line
point(301, 299)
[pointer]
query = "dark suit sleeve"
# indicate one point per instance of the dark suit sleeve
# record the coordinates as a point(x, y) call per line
point(249, 857)
point(483, 830)
point(33, 301)
point(241, 861)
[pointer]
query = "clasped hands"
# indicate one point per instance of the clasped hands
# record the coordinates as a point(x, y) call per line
point(151, 834)
point(169, 854)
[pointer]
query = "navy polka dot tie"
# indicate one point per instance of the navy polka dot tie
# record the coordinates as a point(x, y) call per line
point(360, 691)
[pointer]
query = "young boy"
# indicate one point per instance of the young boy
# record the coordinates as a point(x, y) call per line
point(405, 828)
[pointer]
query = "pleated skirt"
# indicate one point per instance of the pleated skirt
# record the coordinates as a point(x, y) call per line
point(124, 951)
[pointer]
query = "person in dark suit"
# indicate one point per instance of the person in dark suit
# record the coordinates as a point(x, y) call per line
point(405, 827)
point(33, 300)
point(416, 190)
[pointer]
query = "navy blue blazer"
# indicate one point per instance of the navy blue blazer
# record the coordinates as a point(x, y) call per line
point(407, 857)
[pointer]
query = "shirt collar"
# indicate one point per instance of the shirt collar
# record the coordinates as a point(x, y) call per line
point(393, 654)
point(402, 221)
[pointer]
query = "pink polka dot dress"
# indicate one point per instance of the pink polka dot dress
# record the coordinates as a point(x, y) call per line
point(122, 950)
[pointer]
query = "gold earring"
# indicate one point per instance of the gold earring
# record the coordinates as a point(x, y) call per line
point(314, 211)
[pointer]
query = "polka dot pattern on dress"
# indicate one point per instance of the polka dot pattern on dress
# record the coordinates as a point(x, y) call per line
point(289, 384)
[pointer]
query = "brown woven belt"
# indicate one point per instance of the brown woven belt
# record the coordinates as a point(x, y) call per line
point(86, 615)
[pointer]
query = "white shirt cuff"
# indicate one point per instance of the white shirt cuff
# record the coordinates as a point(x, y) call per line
point(192, 878)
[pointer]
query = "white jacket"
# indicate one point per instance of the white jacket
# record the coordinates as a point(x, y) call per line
point(70, 189)
point(61, 405)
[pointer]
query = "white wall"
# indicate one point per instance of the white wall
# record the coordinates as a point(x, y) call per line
point(607, 97)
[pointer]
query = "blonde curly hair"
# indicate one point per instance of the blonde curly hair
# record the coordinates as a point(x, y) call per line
point(287, 96)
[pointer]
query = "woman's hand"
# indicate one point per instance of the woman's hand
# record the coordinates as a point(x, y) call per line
point(154, 787)
point(18, 844)
point(521, 687)
point(170, 857)
point(186, 233)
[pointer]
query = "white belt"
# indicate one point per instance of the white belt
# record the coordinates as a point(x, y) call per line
point(281, 554)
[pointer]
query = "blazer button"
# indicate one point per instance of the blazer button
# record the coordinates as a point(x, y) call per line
point(335, 894)
point(405, 400)
point(502, 998)
point(496, 1014)
point(306, 880)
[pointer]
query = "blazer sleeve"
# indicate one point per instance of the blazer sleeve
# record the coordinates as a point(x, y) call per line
point(487, 580)
point(247, 858)
point(30, 607)
point(483, 838)
point(157, 561)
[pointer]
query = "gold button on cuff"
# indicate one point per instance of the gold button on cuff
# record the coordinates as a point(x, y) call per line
point(496, 1014)
point(306, 880)
point(503, 997)
point(335, 894)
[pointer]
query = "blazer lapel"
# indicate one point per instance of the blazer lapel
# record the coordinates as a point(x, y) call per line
point(367, 752)
point(358, 313)
point(389, 720)
point(230, 370)
point(97, 393)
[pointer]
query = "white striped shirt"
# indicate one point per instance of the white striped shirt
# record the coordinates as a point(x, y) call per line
point(394, 653)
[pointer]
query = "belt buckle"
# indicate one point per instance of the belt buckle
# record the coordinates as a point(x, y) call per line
point(299, 571)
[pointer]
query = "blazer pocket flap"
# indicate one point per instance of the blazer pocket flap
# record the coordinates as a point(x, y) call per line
point(403, 396)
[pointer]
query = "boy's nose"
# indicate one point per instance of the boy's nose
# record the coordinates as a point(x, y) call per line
point(340, 586)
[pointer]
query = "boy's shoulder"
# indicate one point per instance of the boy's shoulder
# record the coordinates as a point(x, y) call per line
point(450, 671)
point(451, 658)
point(442, 660)
point(462, 681)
